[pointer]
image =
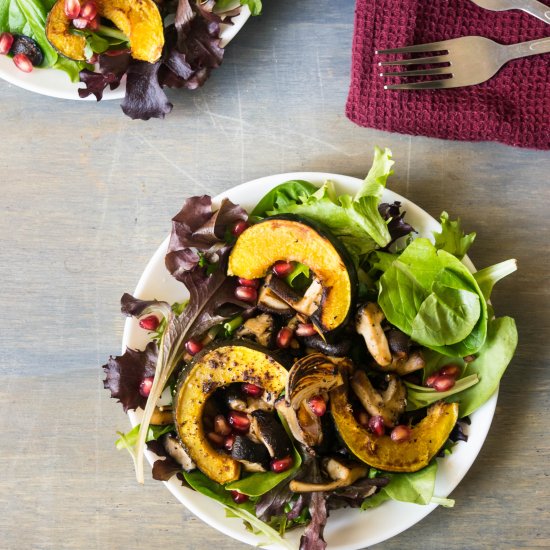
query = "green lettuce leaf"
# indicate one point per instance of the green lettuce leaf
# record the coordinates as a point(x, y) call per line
point(488, 277)
point(378, 175)
point(284, 194)
point(452, 238)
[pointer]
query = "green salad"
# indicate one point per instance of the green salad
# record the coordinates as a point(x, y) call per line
point(327, 357)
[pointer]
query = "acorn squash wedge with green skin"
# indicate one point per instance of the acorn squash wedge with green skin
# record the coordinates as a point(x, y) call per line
point(217, 366)
point(293, 238)
point(427, 437)
point(139, 20)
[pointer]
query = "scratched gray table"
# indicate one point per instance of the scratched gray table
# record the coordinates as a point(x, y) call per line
point(87, 196)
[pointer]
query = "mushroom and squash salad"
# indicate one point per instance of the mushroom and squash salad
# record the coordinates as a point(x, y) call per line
point(326, 357)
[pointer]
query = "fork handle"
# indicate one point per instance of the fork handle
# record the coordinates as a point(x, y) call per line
point(525, 49)
point(536, 8)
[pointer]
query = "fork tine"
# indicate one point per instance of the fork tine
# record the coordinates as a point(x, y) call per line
point(417, 61)
point(421, 72)
point(426, 85)
point(432, 47)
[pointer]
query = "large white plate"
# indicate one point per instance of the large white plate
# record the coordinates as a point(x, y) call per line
point(346, 529)
point(55, 83)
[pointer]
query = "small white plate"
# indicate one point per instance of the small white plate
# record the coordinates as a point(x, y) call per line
point(56, 83)
point(346, 529)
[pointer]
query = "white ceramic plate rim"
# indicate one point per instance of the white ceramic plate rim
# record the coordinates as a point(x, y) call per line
point(54, 83)
point(346, 529)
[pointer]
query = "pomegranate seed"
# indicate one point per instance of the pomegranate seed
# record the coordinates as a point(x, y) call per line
point(72, 8)
point(22, 62)
point(430, 380)
point(228, 442)
point(239, 421)
point(145, 386)
point(317, 405)
point(80, 23)
point(252, 390)
point(239, 227)
point(94, 23)
point(221, 426)
point(282, 269)
point(377, 426)
point(443, 382)
point(93, 59)
point(193, 347)
point(216, 439)
point(246, 293)
point(6, 40)
point(282, 464)
point(450, 370)
point(252, 283)
point(305, 329)
point(401, 433)
point(88, 11)
point(149, 323)
point(363, 418)
point(239, 498)
point(284, 337)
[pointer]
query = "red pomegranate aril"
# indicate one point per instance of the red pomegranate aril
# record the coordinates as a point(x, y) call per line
point(193, 347)
point(72, 8)
point(451, 370)
point(93, 24)
point(252, 390)
point(443, 382)
point(6, 40)
point(239, 227)
point(150, 322)
point(239, 421)
point(80, 23)
point(22, 62)
point(284, 337)
point(228, 442)
point(282, 464)
point(401, 433)
point(239, 498)
point(93, 59)
point(252, 283)
point(317, 405)
point(215, 438)
point(430, 380)
point(377, 426)
point(221, 426)
point(305, 329)
point(145, 386)
point(246, 293)
point(282, 268)
point(88, 11)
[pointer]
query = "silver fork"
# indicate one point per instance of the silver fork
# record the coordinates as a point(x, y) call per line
point(471, 60)
point(534, 7)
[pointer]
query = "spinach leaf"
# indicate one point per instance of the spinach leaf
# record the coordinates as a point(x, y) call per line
point(419, 397)
point(204, 485)
point(282, 195)
point(488, 277)
point(261, 482)
point(417, 487)
point(452, 238)
point(130, 438)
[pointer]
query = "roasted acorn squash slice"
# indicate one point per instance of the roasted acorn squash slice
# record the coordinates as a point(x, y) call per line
point(427, 437)
point(293, 238)
point(139, 20)
point(218, 366)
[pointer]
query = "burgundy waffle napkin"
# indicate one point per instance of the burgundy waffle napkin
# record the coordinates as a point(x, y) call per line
point(513, 107)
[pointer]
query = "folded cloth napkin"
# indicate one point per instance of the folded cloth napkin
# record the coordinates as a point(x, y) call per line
point(513, 107)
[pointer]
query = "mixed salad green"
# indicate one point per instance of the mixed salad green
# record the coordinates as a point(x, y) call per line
point(191, 48)
point(446, 349)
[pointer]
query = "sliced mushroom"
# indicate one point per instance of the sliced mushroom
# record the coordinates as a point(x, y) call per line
point(253, 456)
point(307, 304)
point(177, 451)
point(270, 302)
point(388, 404)
point(343, 473)
point(398, 342)
point(368, 323)
point(162, 416)
point(338, 349)
point(408, 363)
point(271, 433)
point(258, 328)
point(235, 399)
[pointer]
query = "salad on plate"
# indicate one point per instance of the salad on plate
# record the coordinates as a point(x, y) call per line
point(327, 357)
point(142, 46)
